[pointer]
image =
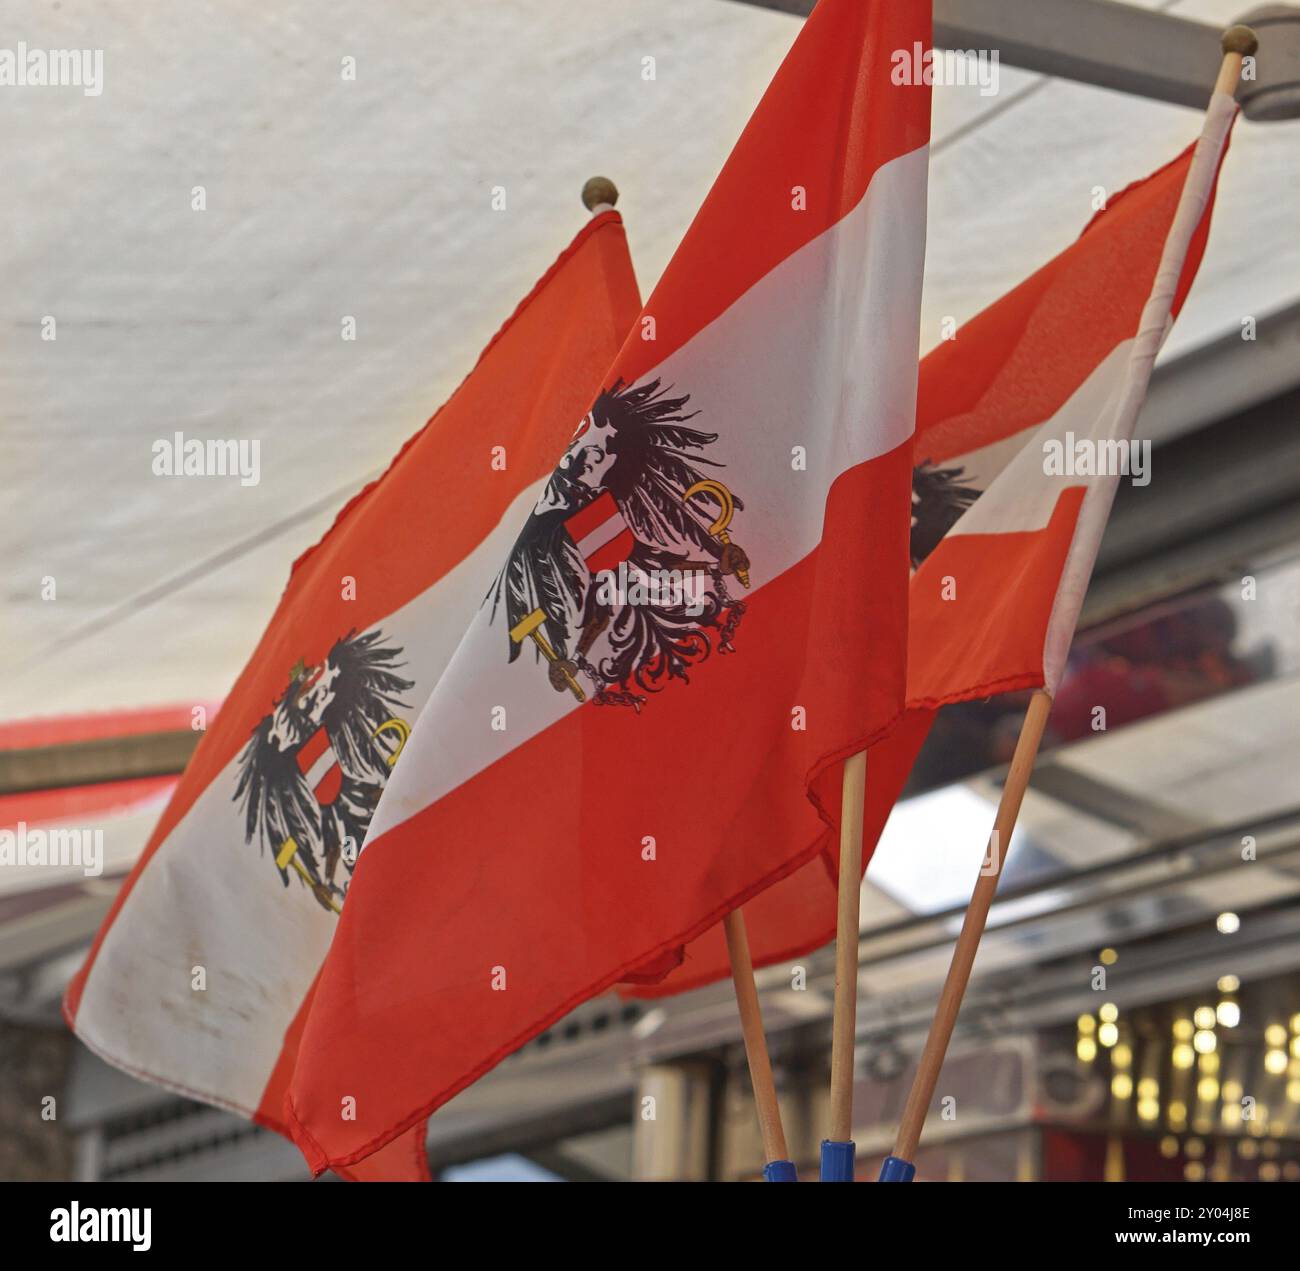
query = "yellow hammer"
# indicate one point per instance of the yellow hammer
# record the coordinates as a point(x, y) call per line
point(528, 627)
point(288, 855)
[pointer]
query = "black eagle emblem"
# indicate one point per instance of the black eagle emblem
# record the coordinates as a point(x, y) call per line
point(939, 499)
point(632, 482)
point(314, 768)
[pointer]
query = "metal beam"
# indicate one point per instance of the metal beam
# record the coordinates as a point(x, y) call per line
point(1106, 802)
point(1224, 377)
point(1118, 46)
point(560, 1163)
point(1226, 496)
point(85, 763)
point(527, 1133)
point(46, 932)
point(1096, 42)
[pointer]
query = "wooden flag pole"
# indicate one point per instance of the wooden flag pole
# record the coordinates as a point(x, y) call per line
point(837, 1165)
point(963, 955)
point(777, 1168)
point(1237, 42)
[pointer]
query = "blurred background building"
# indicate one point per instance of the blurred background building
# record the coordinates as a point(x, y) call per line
point(1135, 1011)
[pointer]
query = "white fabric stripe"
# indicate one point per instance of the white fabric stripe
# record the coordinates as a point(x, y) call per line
point(828, 349)
point(604, 533)
point(982, 467)
point(1022, 496)
point(324, 762)
point(1152, 330)
point(221, 1044)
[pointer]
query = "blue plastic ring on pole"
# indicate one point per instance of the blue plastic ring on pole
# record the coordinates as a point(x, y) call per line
point(780, 1172)
point(895, 1170)
point(837, 1161)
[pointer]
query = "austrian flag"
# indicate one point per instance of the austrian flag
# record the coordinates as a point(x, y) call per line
point(1062, 359)
point(601, 775)
point(252, 861)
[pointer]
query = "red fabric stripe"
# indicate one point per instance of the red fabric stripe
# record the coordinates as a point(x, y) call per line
point(798, 914)
point(312, 749)
point(57, 730)
point(1005, 587)
point(107, 798)
point(328, 787)
point(601, 509)
point(992, 628)
point(404, 1160)
point(1016, 364)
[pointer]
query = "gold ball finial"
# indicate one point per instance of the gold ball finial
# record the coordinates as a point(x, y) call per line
point(599, 190)
point(1239, 39)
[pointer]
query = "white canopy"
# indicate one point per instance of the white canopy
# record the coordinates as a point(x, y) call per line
point(372, 198)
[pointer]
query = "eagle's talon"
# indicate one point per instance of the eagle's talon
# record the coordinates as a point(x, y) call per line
point(734, 560)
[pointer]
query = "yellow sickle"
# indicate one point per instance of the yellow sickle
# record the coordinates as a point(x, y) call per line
point(403, 731)
point(726, 508)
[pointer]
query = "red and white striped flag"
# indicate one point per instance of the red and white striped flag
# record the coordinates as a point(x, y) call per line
point(200, 976)
point(1027, 420)
point(596, 780)
point(1005, 524)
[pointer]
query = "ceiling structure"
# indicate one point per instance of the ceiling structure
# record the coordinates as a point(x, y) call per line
point(371, 198)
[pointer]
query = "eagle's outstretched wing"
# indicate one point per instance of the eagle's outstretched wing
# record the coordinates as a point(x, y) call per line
point(938, 501)
point(656, 464)
point(367, 692)
point(276, 801)
point(544, 571)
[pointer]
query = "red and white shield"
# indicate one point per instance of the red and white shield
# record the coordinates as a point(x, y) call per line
point(320, 768)
point(601, 533)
